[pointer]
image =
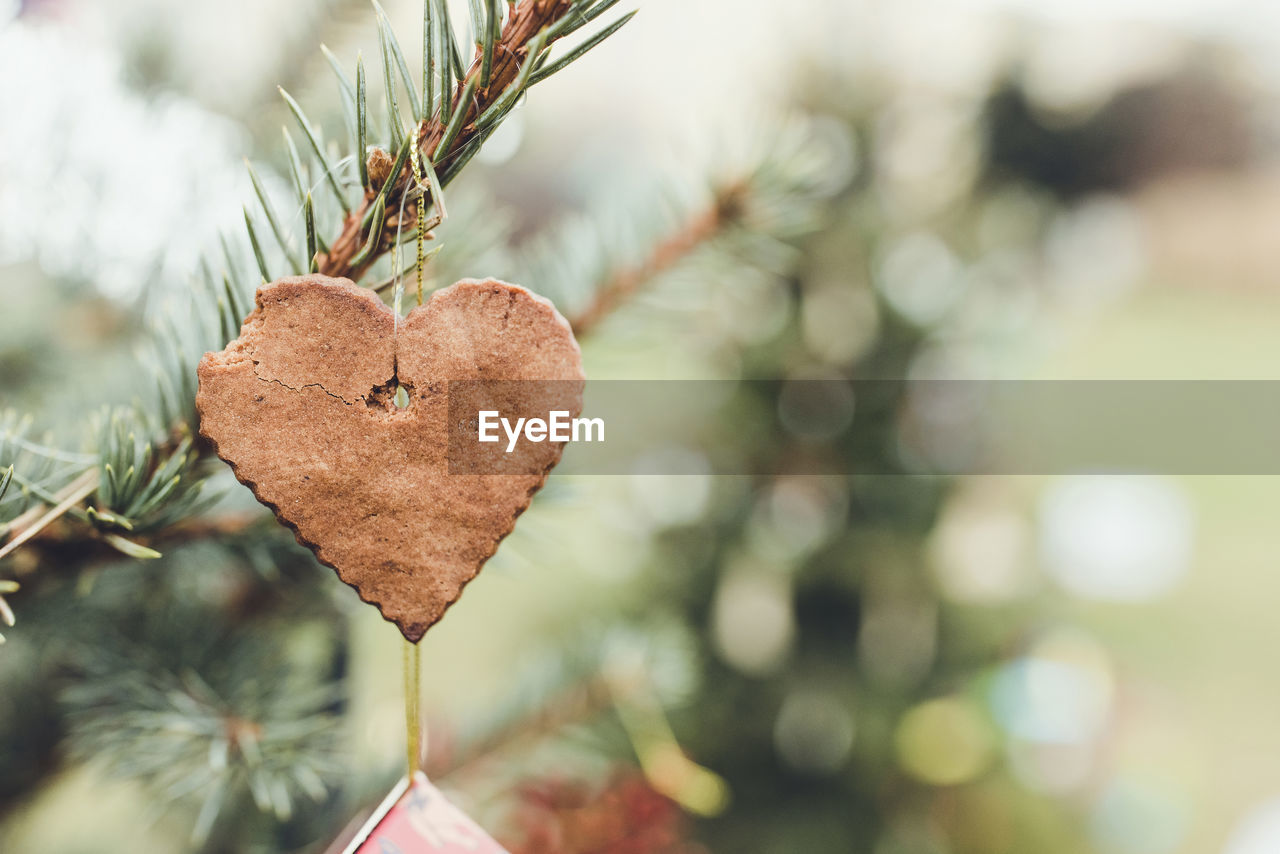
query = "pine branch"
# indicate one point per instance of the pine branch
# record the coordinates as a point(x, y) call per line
point(37, 519)
point(701, 229)
point(71, 546)
point(205, 719)
point(146, 478)
point(758, 208)
point(450, 137)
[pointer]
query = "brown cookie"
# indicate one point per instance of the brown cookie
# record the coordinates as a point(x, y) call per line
point(301, 406)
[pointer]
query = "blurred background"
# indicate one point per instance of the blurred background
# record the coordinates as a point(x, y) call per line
point(821, 188)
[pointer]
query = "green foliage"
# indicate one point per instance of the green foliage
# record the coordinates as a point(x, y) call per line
point(348, 94)
point(317, 148)
point(272, 220)
point(581, 50)
point(34, 469)
point(143, 487)
point(208, 720)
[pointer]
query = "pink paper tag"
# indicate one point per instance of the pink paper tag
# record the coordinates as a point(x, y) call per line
point(416, 819)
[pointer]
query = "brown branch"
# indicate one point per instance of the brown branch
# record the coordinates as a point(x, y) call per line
point(524, 23)
point(75, 545)
point(696, 232)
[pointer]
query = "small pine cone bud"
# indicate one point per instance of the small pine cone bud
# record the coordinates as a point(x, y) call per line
point(380, 163)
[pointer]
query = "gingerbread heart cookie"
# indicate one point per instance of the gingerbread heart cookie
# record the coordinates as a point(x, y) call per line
point(302, 405)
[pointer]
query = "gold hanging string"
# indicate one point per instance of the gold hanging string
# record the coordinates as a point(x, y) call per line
point(415, 732)
point(424, 185)
point(424, 177)
point(415, 163)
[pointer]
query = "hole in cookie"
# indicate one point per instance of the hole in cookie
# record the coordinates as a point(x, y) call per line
point(390, 396)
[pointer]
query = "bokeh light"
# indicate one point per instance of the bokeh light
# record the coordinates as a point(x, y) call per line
point(1258, 832)
point(1120, 538)
point(944, 742)
point(752, 620)
point(814, 732)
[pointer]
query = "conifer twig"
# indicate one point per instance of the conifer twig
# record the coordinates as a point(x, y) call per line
point(696, 232)
point(80, 547)
point(451, 136)
point(75, 492)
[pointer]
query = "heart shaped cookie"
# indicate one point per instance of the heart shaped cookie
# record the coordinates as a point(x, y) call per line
point(302, 407)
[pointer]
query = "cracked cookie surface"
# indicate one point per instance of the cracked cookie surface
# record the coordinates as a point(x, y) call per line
point(301, 406)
